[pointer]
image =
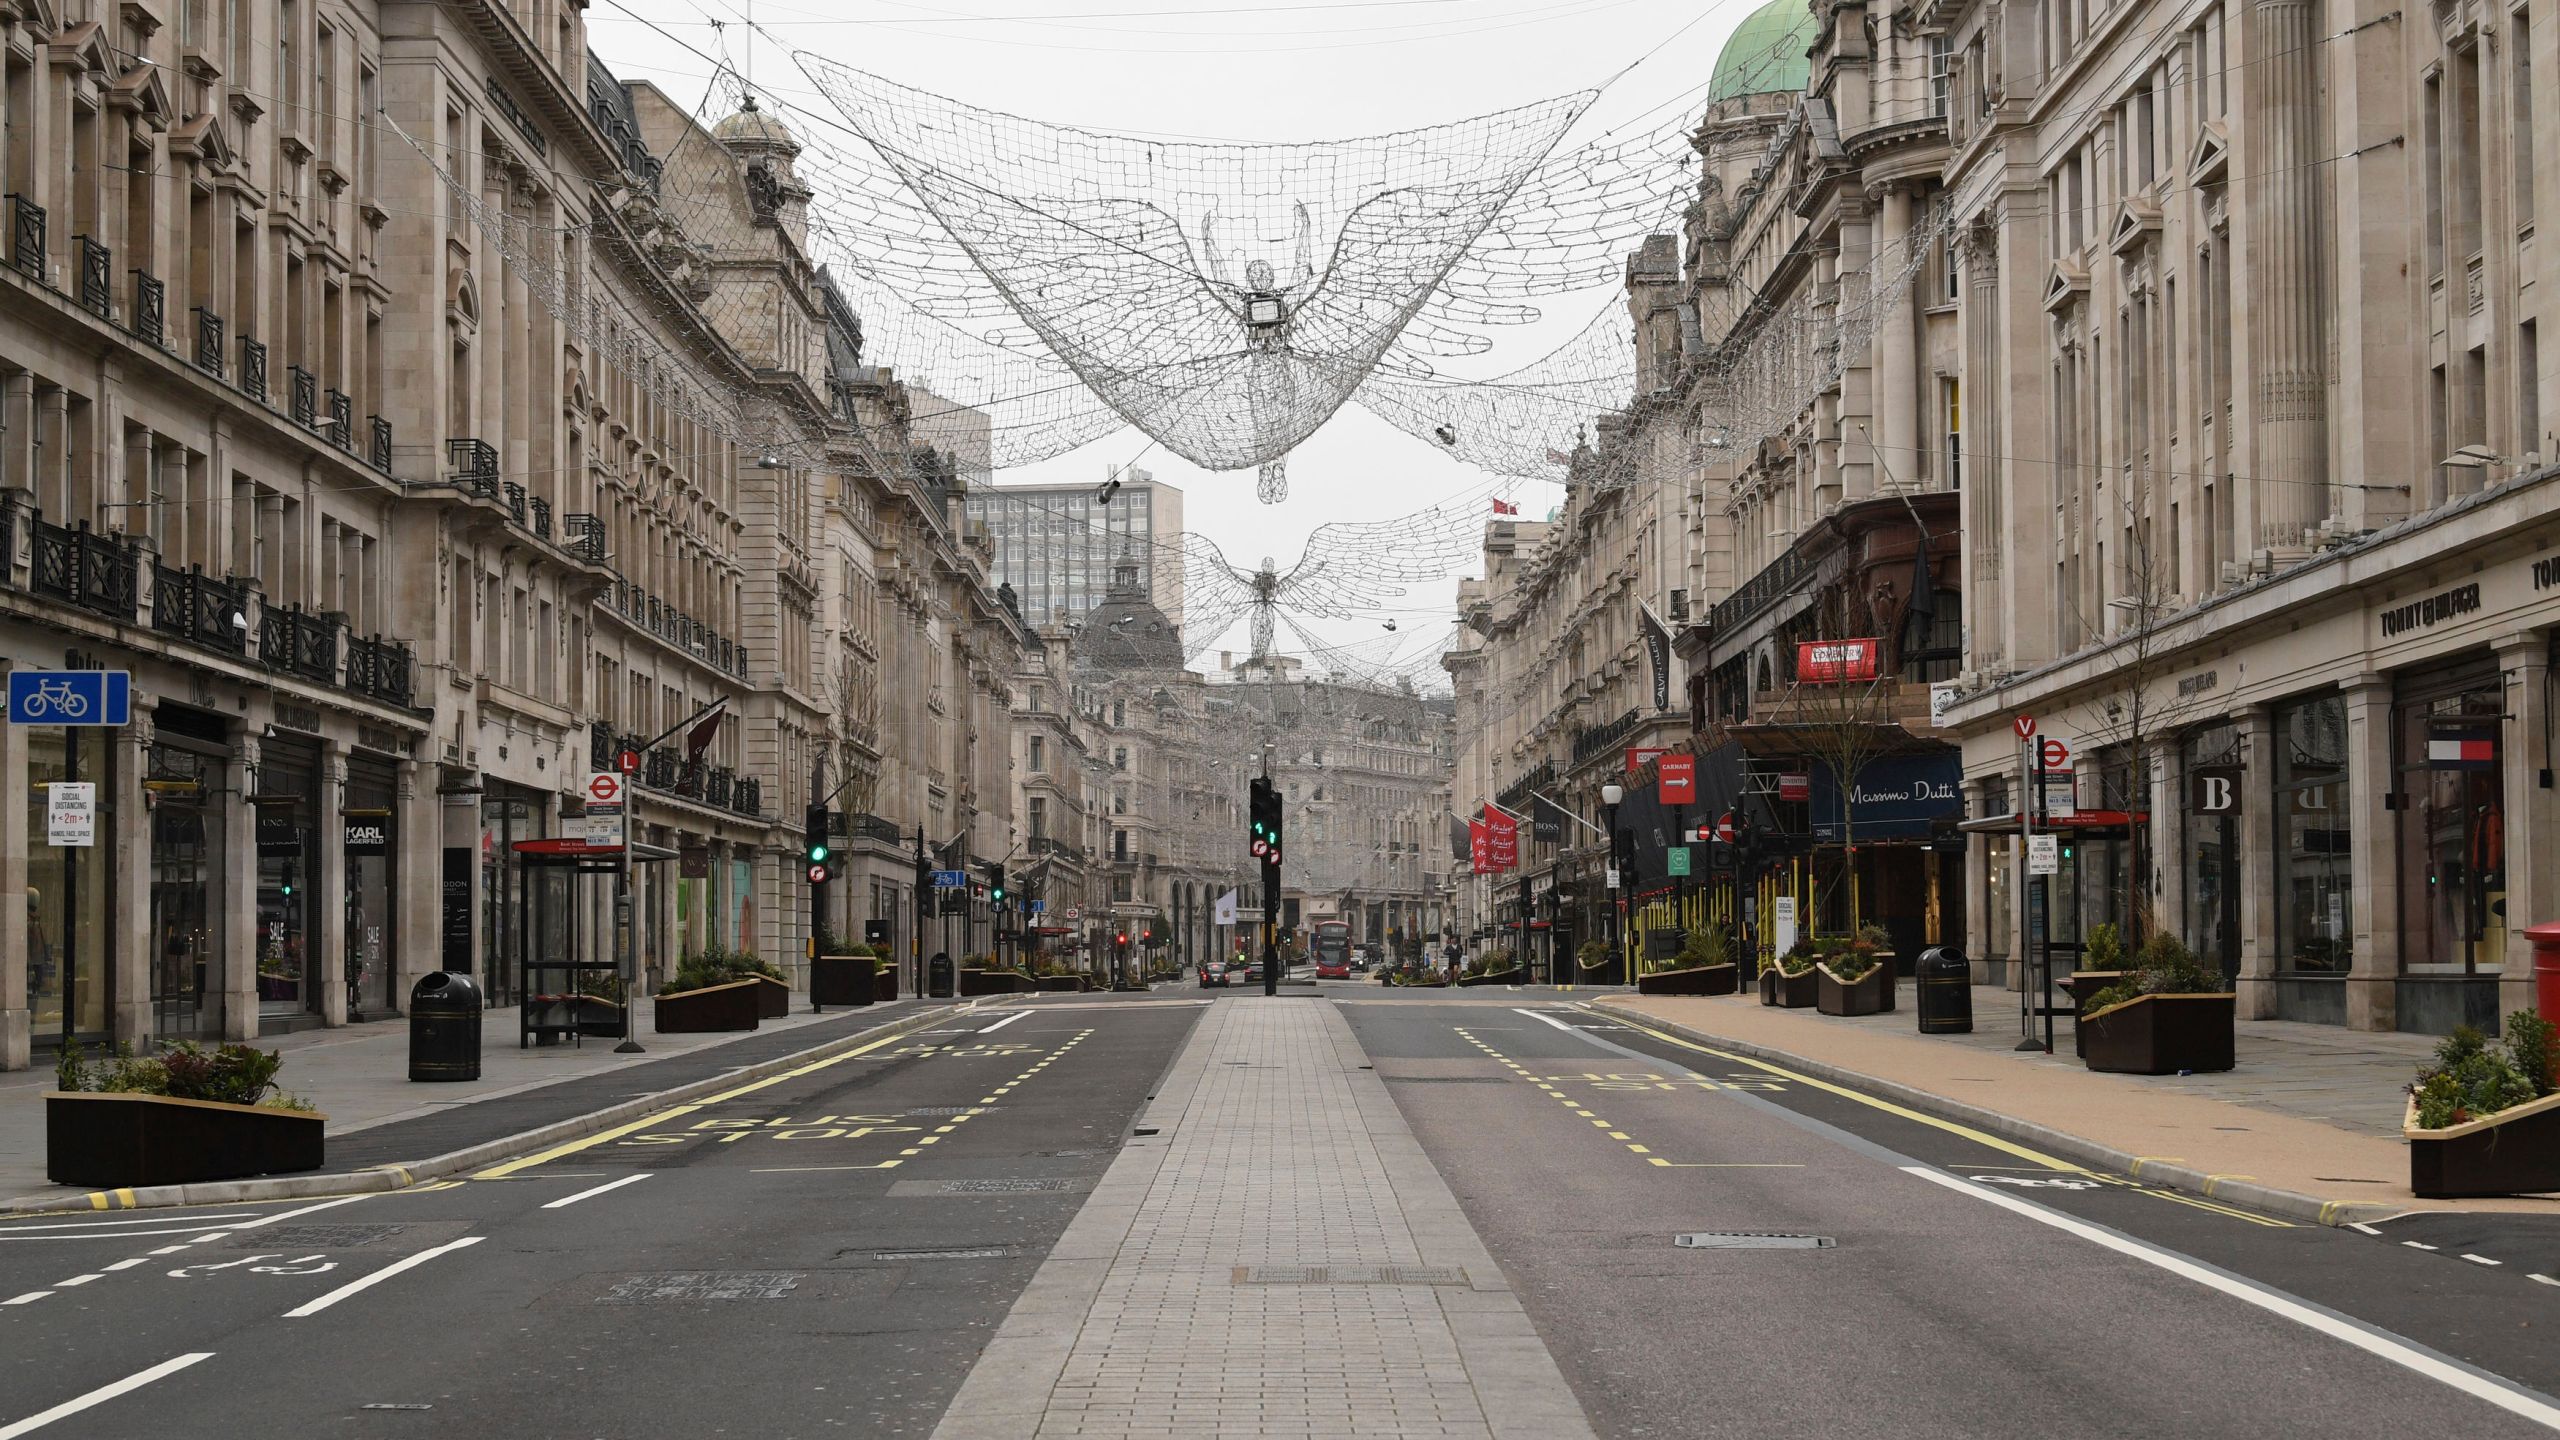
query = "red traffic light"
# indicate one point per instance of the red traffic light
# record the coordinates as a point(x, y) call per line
point(1124, 937)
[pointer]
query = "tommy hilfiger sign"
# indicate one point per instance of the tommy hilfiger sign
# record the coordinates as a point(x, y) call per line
point(2419, 614)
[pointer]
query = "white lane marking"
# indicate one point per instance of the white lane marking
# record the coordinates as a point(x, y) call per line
point(2479, 1385)
point(122, 1223)
point(128, 1264)
point(101, 1395)
point(566, 1201)
point(2479, 1259)
point(2545, 1279)
point(1009, 1019)
point(76, 1280)
point(216, 1235)
point(1540, 1015)
point(29, 1298)
point(377, 1277)
point(168, 1249)
point(305, 1210)
point(2360, 1225)
point(2417, 1245)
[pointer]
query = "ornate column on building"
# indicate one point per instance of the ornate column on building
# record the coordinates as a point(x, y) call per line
point(2288, 293)
point(2373, 974)
point(128, 938)
point(2257, 725)
point(1978, 245)
point(1896, 352)
point(330, 933)
point(16, 1021)
point(236, 907)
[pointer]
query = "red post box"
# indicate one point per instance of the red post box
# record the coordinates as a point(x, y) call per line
point(2546, 969)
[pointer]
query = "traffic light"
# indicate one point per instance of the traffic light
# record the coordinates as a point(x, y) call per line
point(287, 885)
point(995, 885)
point(1266, 823)
point(815, 849)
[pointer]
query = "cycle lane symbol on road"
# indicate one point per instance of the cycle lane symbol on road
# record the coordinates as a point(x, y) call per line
point(820, 1127)
point(300, 1265)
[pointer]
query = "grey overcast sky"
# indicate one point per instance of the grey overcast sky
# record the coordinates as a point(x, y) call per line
point(1254, 70)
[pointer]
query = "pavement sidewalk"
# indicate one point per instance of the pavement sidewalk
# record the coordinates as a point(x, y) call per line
point(358, 1076)
point(1271, 1254)
point(2307, 1123)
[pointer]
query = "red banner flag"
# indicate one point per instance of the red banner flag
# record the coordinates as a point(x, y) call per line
point(1480, 846)
point(1499, 508)
point(1502, 839)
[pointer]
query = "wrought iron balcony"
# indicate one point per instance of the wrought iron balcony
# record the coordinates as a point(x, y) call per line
point(658, 769)
point(26, 237)
point(293, 642)
point(208, 341)
point(378, 445)
point(1776, 580)
point(872, 827)
point(474, 464)
point(541, 518)
point(583, 535)
point(748, 797)
point(94, 572)
point(253, 369)
point(150, 309)
point(689, 780)
point(200, 609)
point(1603, 737)
point(515, 500)
point(600, 752)
point(97, 279)
point(716, 786)
point(379, 668)
point(302, 396)
point(342, 419)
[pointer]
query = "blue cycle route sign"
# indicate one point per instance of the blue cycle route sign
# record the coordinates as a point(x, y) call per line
point(70, 697)
point(950, 879)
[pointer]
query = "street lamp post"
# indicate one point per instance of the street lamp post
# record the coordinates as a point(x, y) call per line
point(1610, 796)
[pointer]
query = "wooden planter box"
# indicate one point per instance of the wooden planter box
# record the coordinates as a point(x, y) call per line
point(1698, 980)
point(1796, 992)
point(734, 1006)
point(2514, 1152)
point(1072, 984)
point(1768, 985)
point(993, 982)
point(773, 997)
point(1869, 995)
point(2082, 984)
point(842, 980)
point(884, 983)
point(2160, 1035)
point(1498, 977)
point(107, 1142)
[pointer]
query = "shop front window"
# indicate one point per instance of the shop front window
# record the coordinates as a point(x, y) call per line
point(504, 820)
point(2211, 760)
point(184, 793)
point(2453, 831)
point(67, 900)
point(2314, 883)
point(367, 832)
point(288, 877)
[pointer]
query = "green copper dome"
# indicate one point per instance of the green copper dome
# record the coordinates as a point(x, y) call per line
point(1767, 53)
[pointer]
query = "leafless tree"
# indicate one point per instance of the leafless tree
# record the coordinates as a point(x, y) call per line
point(2139, 707)
point(1846, 723)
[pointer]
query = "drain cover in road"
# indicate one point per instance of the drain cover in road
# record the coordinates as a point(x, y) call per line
point(701, 1285)
point(1350, 1275)
point(984, 1252)
point(311, 1237)
point(949, 1110)
point(1003, 1185)
point(1751, 1240)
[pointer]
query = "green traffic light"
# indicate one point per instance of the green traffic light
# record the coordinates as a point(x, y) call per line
point(817, 854)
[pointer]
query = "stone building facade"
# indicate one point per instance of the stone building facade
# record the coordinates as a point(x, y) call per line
point(374, 401)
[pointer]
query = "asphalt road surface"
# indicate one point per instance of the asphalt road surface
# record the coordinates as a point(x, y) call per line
point(824, 1254)
point(1970, 1287)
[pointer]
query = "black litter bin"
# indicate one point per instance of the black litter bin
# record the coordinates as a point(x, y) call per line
point(1945, 980)
point(444, 1028)
point(941, 980)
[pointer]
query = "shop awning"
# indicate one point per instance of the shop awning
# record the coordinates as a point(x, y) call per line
point(571, 850)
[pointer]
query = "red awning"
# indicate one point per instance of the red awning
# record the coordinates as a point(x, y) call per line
point(2081, 820)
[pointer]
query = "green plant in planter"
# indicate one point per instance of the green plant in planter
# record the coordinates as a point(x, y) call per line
point(2164, 966)
point(1594, 954)
point(231, 1075)
point(1705, 947)
point(2104, 950)
point(717, 964)
point(1800, 958)
point(2469, 1080)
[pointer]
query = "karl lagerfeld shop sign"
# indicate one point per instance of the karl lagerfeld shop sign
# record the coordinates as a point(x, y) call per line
point(2419, 614)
